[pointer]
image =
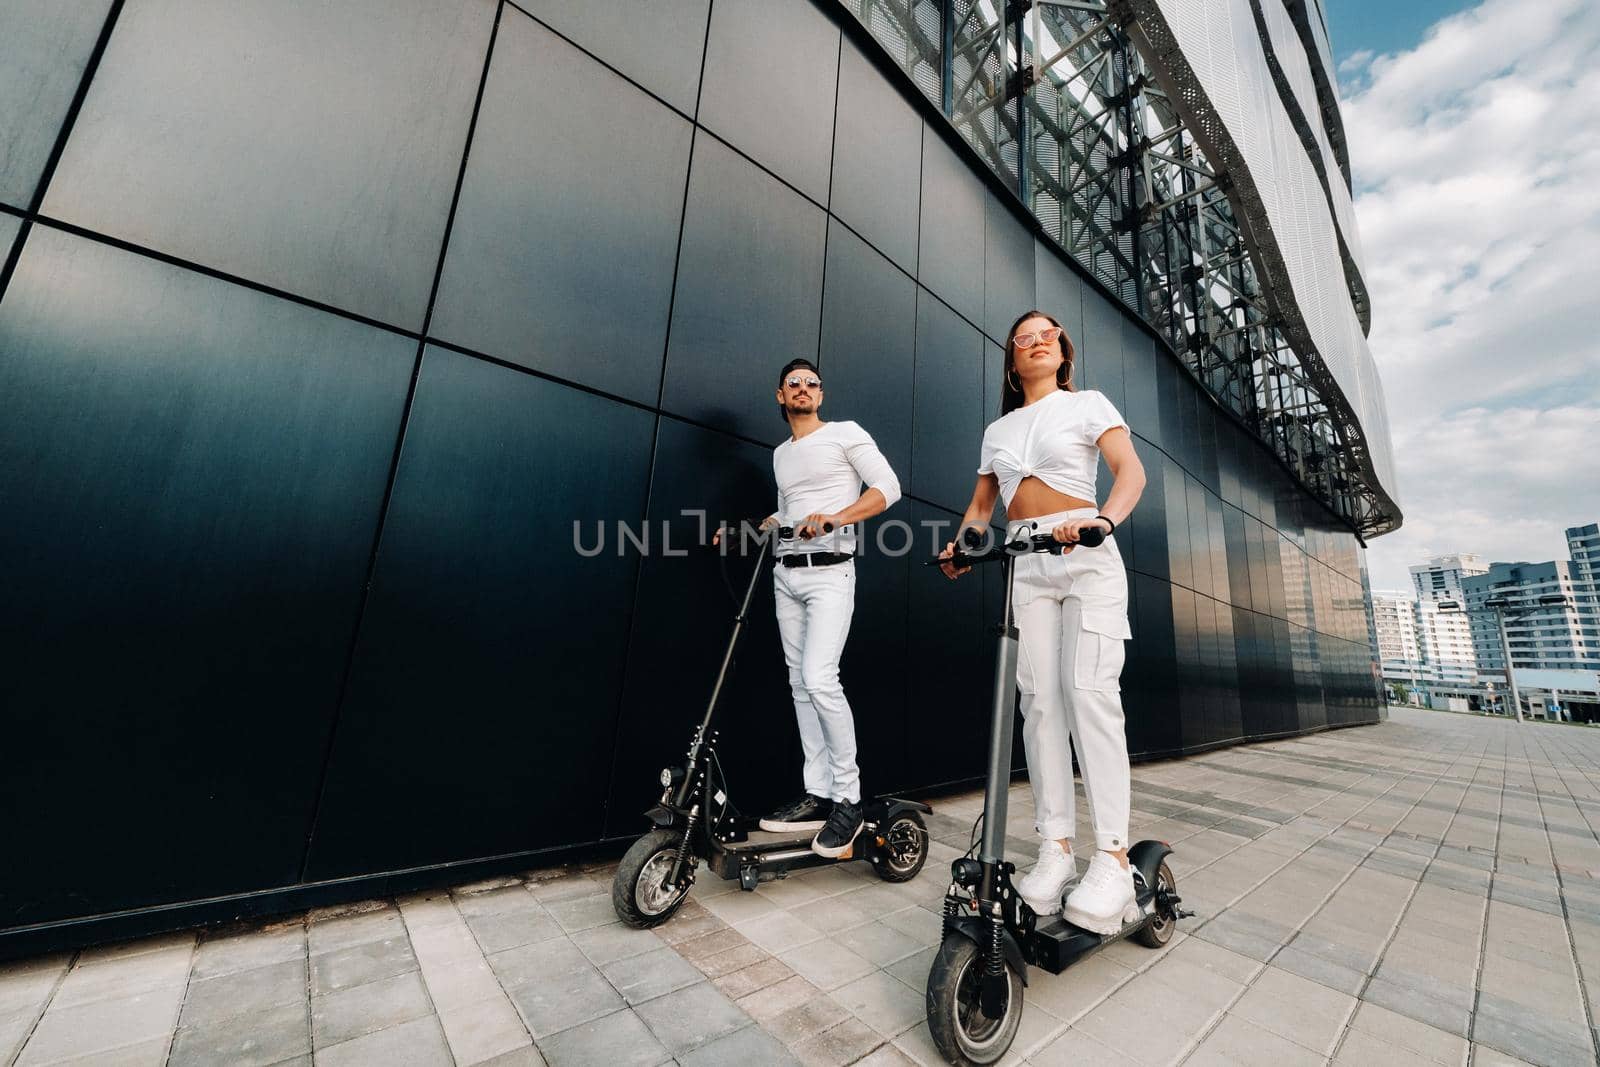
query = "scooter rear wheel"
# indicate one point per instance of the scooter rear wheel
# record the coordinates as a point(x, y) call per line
point(1159, 930)
point(904, 849)
point(639, 892)
point(962, 1033)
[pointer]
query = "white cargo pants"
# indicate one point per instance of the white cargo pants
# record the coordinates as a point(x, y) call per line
point(1072, 614)
point(814, 609)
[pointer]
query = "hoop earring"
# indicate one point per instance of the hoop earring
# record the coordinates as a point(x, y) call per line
point(1012, 380)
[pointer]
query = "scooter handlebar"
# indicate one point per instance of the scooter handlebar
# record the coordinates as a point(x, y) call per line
point(973, 552)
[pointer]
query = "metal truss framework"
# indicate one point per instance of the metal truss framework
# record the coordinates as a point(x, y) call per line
point(1076, 104)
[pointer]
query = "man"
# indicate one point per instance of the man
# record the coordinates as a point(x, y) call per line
point(820, 470)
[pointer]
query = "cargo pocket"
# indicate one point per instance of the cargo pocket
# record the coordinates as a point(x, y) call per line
point(1098, 665)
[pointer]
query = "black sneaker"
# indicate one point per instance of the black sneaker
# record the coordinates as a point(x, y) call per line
point(807, 813)
point(840, 832)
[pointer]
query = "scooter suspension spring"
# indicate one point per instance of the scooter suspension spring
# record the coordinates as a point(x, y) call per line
point(995, 963)
point(952, 911)
point(688, 837)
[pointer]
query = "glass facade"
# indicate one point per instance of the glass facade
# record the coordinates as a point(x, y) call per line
point(306, 396)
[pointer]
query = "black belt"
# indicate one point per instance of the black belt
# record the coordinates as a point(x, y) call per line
point(815, 559)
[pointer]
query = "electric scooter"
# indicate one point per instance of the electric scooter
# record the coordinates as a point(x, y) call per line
point(991, 935)
point(695, 821)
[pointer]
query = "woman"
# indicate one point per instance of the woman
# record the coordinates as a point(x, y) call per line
point(1041, 456)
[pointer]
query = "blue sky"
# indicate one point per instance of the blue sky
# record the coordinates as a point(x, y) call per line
point(1380, 26)
point(1474, 140)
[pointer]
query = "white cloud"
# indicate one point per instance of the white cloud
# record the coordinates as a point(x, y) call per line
point(1474, 155)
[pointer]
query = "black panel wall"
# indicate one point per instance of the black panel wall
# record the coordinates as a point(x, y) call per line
point(324, 323)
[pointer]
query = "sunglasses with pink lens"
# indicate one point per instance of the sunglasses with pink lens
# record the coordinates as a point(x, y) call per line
point(1047, 336)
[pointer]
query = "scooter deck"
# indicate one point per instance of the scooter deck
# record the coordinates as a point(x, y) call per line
point(1057, 944)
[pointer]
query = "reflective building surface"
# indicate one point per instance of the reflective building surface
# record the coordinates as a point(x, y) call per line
point(366, 369)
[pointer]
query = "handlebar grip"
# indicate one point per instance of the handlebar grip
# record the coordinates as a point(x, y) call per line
point(785, 532)
point(1091, 537)
point(972, 537)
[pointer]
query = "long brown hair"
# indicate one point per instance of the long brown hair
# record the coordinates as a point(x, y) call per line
point(1011, 397)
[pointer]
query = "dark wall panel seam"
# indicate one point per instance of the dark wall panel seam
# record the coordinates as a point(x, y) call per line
point(399, 444)
point(655, 436)
point(90, 68)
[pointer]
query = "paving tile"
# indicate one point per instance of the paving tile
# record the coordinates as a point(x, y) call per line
point(916, 924)
point(742, 1048)
point(102, 1025)
point(583, 913)
point(1236, 1042)
point(734, 959)
point(418, 1043)
point(607, 944)
point(495, 933)
point(836, 913)
point(178, 939)
point(820, 1013)
point(686, 927)
point(757, 976)
point(455, 985)
point(1123, 1021)
point(370, 961)
point(152, 1053)
point(124, 976)
point(1077, 1049)
point(778, 931)
point(550, 1005)
point(513, 899)
point(619, 1039)
point(692, 1017)
point(332, 934)
point(245, 992)
point(879, 943)
point(1484, 1056)
point(534, 962)
point(711, 944)
point(650, 975)
point(1419, 1038)
point(482, 1031)
point(266, 1037)
point(445, 943)
point(778, 998)
point(913, 970)
point(735, 908)
point(883, 1003)
point(1075, 990)
point(1297, 1009)
point(352, 1013)
point(1531, 1032)
point(25, 988)
point(215, 957)
point(842, 1043)
point(826, 964)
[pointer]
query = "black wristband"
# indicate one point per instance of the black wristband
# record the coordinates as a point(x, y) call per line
point(1113, 525)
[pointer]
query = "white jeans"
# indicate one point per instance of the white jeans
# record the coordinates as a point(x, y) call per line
point(1072, 614)
point(814, 609)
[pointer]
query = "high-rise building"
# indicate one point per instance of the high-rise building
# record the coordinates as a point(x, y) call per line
point(1440, 578)
point(1543, 636)
point(1426, 645)
point(1583, 546)
point(1394, 619)
point(1444, 639)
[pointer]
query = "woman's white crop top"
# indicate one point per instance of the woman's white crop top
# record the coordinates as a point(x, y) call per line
point(1053, 439)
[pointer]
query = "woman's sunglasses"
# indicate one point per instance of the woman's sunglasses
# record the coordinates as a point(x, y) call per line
point(1047, 336)
point(808, 381)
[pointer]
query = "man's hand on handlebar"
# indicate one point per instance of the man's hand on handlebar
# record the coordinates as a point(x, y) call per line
point(1069, 532)
point(815, 524)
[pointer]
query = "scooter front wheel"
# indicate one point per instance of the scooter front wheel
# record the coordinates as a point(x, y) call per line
point(639, 890)
point(960, 1029)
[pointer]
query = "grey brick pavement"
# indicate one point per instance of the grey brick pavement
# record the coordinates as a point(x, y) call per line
point(1425, 891)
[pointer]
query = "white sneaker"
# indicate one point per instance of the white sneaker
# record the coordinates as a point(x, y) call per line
point(1042, 887)
point(1105, 899)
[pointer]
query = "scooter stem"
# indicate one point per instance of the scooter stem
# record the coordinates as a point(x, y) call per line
point(997, 790)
